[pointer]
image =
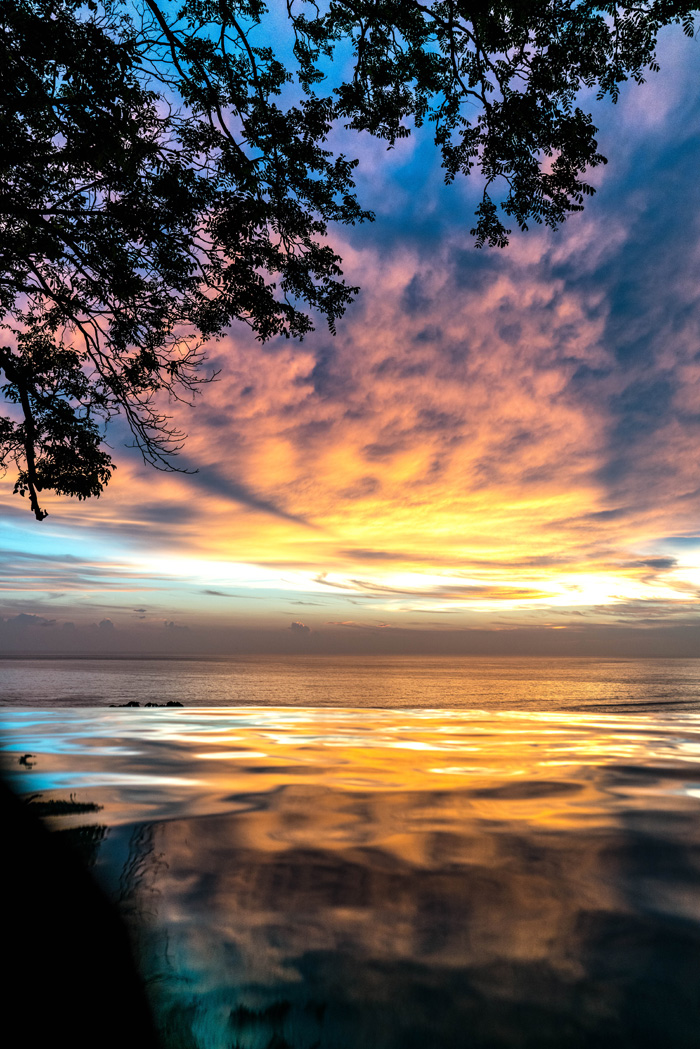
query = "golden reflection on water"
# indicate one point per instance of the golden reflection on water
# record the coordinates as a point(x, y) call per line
point(547, 769)
point(387, 879)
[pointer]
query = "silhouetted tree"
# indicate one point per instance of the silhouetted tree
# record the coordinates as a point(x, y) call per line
point(166, 171)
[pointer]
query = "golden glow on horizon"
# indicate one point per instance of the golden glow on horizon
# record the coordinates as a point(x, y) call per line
point(496, 590)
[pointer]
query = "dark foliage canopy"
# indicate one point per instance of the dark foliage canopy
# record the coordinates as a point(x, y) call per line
point(166, 171)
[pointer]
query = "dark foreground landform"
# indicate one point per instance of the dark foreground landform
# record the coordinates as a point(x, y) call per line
point(70, 977)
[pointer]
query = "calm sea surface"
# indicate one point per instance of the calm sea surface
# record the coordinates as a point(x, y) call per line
point(397, 854)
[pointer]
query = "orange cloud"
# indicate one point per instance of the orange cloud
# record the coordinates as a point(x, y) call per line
point(438, 455)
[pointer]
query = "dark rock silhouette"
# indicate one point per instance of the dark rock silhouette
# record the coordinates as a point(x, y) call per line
point(133, 703)
point(70, 975)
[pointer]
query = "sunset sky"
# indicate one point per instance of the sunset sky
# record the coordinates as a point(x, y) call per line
point(498, 452)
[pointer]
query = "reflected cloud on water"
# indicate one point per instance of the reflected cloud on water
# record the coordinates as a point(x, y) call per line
point(385, 879)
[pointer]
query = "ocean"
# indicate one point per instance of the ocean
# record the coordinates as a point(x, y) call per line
point(502, 683)
point(386, 854)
